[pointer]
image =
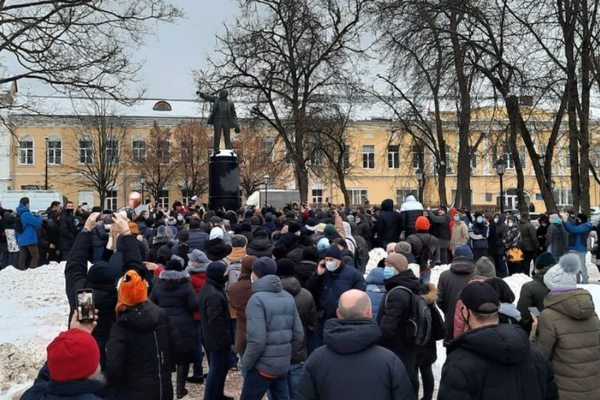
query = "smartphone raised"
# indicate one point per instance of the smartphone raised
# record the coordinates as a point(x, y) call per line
point(85, 305)
point(534, 311)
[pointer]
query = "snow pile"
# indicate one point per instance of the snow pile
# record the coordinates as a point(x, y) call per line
point(33, 310)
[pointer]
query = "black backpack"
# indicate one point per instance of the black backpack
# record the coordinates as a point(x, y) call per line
point(419, 323)
point(19, 228)
point(425, 257)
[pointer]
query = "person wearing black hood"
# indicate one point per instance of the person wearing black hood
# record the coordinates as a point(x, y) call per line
point(496, 244)
point(389, 224)
point(351, 365)
point(491, 360)
point(396, 308)
point(197, 238)
point(260, 245)
point(217, 335)
point(67, 229)
point(174, 293)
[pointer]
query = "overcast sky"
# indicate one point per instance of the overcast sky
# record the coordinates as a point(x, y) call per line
point(176, 50)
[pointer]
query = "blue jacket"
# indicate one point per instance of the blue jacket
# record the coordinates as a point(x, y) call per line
point(479, 236)
point(30, 225)
point(45, 389)
point(328, 288)
point(579, 234)
point(375, 289)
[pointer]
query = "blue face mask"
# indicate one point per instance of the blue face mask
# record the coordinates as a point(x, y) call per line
point(388, 272)
point(479, 220)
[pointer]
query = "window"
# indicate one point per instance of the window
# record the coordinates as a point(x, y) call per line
point(595, 156)
point(111, 200)
point(523, 156)
point(368, 158)
point(346, 158)
point(163, 151)
point(111, 150)
point(563, 197)
point(163, 199)
point(317, 196)
point(402, 194)
point(26, 151)
point(54, 149)
point(162, 106)
point(317, 157)
point(85, 151)
point(139, 150)
point(358, 196)
point(186, 195)
point(417, 156)
point(448, 159)
point(394, 157)
point(473, 155)
point(489, 197)
point(268, 153)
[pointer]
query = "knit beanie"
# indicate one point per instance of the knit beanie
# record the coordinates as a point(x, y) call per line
point(422, 224)
point(544, 260)
point(164, 253)
point(563, 275)
point(294, 227)
point(403, 247)
point(484, 268)
point(397, 261)
point(285, 267)
point(132, 290)
point(73, 355)
point(334, 252)
point(174, 264)
point(216, 271)
point(323, 244)
point(247, 262)
point(264, 266)
point(198, 256)
point(216, 232)
point(329, 230)
point(320, 228)
point(463, 251)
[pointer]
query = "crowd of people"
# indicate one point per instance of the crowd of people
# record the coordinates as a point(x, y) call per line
point(286, 297)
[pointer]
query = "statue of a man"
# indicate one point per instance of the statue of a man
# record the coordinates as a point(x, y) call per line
point(222, 118)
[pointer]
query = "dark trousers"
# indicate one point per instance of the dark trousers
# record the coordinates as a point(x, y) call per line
point(528, 256)
point(28, 257)
point(198, 371)
point(221, 126)
point(256, 385)
point(218, 365)
point(478, 253)
point(500, 265)
point(428, 382)
point(514, 268)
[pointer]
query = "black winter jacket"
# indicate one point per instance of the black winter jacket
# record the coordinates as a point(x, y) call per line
point(174, 293)
point(139, 354)
point(389, 224)
point(100, 279)
point(68, 230)
point(197, 239)
point(260, 246)
point(351, 366)
point(217, 334)
point(496, 362)
point(306, 309)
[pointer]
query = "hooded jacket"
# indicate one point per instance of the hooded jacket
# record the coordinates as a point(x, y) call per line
point(459, 236)
point(239, 294)
point(557, 240)
point(30, 225)
point(306, 310)
point(260, 246)
point(532, 295)
point(579, 234)
point(139, 353)
point(496, 238)
point(352, 366)
point(529, 240)
point(197, 239)
point(274, 330)
point(174, 293)
point(569, 336)
point(389, 224)
point(450, 284)
point(496, 362)
point(410, 210)
point(375, 289)
point(217, 334)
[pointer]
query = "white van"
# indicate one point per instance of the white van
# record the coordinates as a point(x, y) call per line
point(39, 200)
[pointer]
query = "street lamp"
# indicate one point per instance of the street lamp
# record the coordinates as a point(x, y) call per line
point(143, 182)
point(500, 169)
point(419, 174)
point(266, 180)
point(46, 166)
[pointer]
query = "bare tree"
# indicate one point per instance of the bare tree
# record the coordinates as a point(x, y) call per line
point(159, 165)
point(101, 147)
point(78, 45)
point(193, 144)
point(282, 56)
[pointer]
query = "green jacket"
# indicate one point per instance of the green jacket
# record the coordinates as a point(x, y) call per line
point(532, 295)
point(569, 337)
point(529, 240)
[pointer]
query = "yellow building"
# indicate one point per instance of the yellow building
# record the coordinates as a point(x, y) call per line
point(383, 161)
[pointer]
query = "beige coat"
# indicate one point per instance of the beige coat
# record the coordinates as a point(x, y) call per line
point(569, 336)
point(460, 235)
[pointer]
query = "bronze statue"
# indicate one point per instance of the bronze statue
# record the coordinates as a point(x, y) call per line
point(222, 117)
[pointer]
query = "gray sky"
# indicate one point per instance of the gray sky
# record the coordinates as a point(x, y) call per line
point(176, 50)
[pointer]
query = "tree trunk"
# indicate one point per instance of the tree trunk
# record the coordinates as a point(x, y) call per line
point(584, 111)
point(341, 175)
point(302, 180)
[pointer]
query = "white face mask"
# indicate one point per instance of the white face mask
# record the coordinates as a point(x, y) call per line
point(510, 223)
point(496, 220)
point(331, 266)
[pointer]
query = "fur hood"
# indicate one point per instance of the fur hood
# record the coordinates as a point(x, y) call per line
point(431, 295)
point(174, 276)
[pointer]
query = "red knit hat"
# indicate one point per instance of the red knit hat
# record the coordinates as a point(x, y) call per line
point(422, 224)
point(73, 355)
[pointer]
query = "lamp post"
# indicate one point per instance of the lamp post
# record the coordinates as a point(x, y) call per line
point(143, 182)
point(419, 174)
point(266, 180)
point(500, 169)
point(46, 166)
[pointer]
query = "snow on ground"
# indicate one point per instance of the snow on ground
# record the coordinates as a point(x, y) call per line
point(34, 309)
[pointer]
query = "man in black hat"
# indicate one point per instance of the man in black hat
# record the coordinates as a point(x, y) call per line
point(491, 360)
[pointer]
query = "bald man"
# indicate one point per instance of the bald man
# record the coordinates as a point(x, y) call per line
point(352, 357)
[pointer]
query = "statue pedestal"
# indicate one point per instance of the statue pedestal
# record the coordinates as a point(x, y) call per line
point(224, 181)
